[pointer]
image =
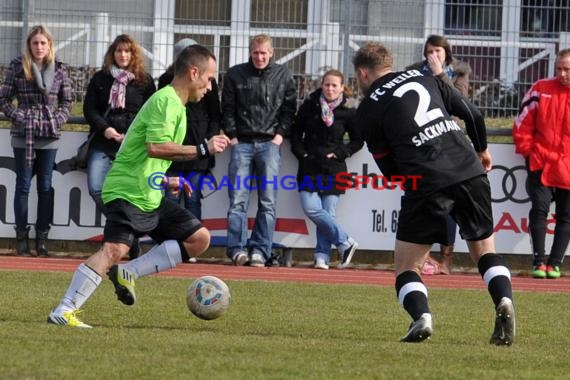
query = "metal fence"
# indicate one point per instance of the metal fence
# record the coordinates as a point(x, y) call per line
point(508, 44)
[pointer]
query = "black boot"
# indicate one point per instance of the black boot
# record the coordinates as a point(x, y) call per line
point(41, 242)
point(22, 245)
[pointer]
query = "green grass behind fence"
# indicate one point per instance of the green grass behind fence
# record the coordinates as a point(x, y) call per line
point(272, 331)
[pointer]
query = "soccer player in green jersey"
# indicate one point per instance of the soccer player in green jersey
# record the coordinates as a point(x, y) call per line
point(134, 200)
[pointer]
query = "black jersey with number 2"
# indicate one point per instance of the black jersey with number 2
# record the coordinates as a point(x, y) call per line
point(405, 120)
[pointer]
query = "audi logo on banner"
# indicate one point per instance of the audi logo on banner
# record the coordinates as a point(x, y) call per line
point(508, 184)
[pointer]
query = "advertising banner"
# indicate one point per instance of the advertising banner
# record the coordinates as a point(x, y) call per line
point(369, 215)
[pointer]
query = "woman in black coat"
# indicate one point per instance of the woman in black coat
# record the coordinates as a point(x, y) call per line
point(318, 142)
point(114, 96)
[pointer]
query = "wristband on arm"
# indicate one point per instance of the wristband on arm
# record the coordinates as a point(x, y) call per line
point(202, 150)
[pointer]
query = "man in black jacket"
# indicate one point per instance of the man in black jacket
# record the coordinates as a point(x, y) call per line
point(203, 122)
point(258, 107)
point(406, 122)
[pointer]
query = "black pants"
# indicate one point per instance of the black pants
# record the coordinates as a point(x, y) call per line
point(541, 198)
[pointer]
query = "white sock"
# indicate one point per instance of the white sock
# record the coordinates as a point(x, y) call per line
point(161, 257)
point(83, 284)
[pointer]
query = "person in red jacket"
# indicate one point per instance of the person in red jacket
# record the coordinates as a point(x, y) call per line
point(541, 133)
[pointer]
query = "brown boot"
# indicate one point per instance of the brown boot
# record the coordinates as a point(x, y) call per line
point(446, 258)
point(22, 243)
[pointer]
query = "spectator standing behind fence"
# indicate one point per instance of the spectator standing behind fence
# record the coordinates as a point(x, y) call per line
point(114, 96)
point(203, 121)
point(258, 107)
point(439, 61)
point(318, 142)
point(133, 197)
point(541, 133)
point(41, 86)
point(395, 115)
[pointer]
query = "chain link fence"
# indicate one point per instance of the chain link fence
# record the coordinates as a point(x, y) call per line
point(508, 44)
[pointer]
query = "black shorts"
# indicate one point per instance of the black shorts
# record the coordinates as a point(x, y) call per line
point(169, 221)
point(423, 220)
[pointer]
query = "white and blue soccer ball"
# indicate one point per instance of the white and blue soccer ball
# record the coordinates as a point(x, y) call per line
point(208, 297)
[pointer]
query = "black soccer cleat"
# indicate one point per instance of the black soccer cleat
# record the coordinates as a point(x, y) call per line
point(504, 333)
point(124, 281)
point(420, 330)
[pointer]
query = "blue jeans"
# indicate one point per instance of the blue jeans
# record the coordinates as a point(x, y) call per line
point(43, 169)
point(192, 203)
point(98, 165)
point(262, 160)
point(321, 209)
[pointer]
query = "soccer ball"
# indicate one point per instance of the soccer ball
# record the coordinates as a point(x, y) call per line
point(208, 297)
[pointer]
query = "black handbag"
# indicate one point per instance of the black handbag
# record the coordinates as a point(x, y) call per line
point(79, 161)
point(80, 158)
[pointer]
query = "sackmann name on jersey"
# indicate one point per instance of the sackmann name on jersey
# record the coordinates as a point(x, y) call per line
point(433, 131)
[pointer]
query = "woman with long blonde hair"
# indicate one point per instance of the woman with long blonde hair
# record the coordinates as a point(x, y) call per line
point(41, 86)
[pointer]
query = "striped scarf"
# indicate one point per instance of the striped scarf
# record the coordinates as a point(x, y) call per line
point(327, 108)
point(119, 87)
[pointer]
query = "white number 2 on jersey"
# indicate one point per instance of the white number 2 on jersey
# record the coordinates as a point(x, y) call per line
point(422, 116)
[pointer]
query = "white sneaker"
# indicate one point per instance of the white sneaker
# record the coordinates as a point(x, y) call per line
point(240, 258)
point(321, 264)
point(257, 260)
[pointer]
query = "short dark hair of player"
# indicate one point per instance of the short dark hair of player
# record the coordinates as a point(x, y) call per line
point(194, 55)
point(439, 41)
point(373, 56)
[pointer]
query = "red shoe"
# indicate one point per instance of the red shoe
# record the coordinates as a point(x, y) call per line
point(539, 271)
point(552, 271)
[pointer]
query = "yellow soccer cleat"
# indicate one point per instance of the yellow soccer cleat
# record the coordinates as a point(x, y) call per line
point(67, 318)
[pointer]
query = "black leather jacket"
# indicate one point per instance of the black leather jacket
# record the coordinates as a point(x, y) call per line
point(258, 104)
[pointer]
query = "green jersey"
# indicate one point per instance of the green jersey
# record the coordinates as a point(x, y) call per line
point(161, 119)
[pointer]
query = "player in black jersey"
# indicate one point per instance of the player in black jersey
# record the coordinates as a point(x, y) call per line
point(406, 123)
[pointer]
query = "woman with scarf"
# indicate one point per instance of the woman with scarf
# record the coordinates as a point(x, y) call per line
point(114, 96)
point(41, 86)
point(318, 142)
point(440, 62)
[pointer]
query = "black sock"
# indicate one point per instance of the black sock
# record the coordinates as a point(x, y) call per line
point(414, 299)
point(183, 253)
point(497, 276)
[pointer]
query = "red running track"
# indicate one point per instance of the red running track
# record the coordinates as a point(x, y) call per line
point(296, 274)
